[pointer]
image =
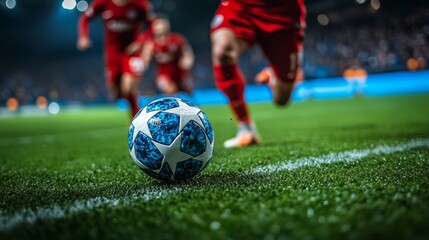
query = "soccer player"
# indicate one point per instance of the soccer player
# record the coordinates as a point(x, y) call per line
point(278, 27)
point(173, 56)
point(123, 21)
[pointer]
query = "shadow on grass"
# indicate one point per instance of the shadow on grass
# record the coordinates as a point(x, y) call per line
point(219, 180)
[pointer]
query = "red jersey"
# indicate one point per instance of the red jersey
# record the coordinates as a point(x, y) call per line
point(276, 25)
point(275, 14)
point(167, 54)
point(122, 23)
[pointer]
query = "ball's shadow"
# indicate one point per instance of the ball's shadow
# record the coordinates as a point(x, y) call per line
point(217, 180)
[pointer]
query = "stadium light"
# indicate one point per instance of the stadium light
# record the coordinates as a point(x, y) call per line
point(12, 104)
point(82, 6)
point(323, 19)
point(10, 4)
point(54, 108)
point(42, 102)
point(69, 4)
point(361, 1)
point(375, 4)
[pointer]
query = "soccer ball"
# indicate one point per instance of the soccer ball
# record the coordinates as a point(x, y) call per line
point(171, 139)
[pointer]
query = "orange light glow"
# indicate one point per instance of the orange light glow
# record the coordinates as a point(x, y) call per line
point(12, 104)
point(42, 102)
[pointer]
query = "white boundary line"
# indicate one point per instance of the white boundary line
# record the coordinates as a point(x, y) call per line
point(30, 216)
point(347, 156)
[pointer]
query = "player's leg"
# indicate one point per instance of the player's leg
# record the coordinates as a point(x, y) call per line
point(171, 83)
point(231, 34)
point(129, 91)
point(283, 50)
point(184, 82)
point(166, 85)
point(281, 90)
point(113, 78)
point(226, 49)
point(132, 72)
point(115, 91)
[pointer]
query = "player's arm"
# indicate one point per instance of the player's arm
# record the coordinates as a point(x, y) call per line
point(136, 47)
point(83, 41)
point(186, 60)
point(147, 52)
point(150, 16)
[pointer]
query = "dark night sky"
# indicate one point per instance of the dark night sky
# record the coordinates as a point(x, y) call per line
point(42, 29)
point(38, 30)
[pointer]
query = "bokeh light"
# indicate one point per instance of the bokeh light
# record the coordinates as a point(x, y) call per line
point(323, 19)
point(82, 6)
point(54, 108)
point(12, 104)
point(42, 102)
point(10, 4)
point(69, 4)
point(375, 4)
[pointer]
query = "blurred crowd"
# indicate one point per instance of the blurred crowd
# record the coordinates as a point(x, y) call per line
point(391, 44)
point(388, 44)
point(66, 80)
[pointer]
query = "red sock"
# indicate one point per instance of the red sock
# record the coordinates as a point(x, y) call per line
point(133, 104)
point(230, 81)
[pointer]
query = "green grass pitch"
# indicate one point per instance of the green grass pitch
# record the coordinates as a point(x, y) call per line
point(335, 169)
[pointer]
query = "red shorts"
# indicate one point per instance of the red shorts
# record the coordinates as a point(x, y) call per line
point(120, 64)
point(179, 77)
point(277, 28)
